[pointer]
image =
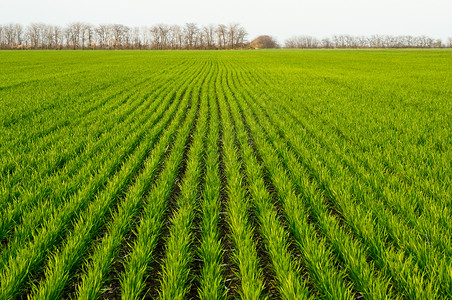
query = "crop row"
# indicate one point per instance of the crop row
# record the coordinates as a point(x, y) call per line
point(220, 175)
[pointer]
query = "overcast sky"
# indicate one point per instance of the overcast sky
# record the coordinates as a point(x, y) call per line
point(281, 19)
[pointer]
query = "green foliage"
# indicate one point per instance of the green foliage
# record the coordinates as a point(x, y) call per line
point(210, 174)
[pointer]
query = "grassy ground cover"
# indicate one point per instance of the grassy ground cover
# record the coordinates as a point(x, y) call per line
point(226, 174)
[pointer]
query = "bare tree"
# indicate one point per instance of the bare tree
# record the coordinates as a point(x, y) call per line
point(305, 41)
point(18, 31)
point(222, 35)
point(325, 43)
point(438, 43)
point(75, 32)
point(209, 34)
point(190, 32)
point(58, 37)
point(178, 36)
point(172, 38)
point(240, 37)
point(103, 34)
point(201, 40)
point(155, 37)
point(86, 35)
point(48, 40)
point(135, 42)
point(35, 33)
point(145, 37)
point(2, 41)
point(164, 34)
point(66, 37)
point(361, 41)
point(119, 35)
point(232, 33)
point(8, 35)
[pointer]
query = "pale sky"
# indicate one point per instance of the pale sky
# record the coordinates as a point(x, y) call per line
point(281, 19)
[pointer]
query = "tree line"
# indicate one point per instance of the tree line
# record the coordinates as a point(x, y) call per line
point(374, 41)
point(79, 35)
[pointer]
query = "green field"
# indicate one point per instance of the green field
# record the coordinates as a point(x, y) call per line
point(226, 174)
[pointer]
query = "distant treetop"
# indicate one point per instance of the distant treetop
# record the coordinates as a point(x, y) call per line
point(264, 42)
